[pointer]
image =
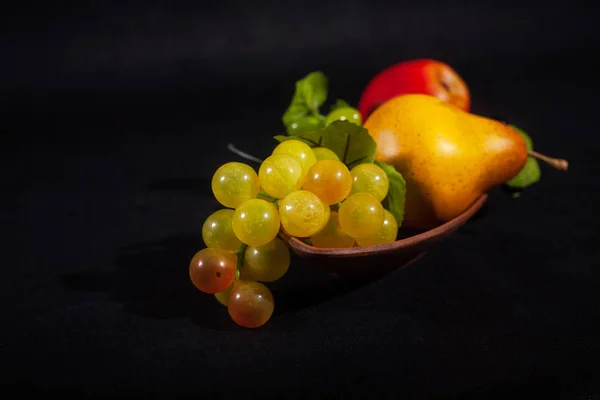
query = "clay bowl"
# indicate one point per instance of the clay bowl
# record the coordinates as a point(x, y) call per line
point(376, 261)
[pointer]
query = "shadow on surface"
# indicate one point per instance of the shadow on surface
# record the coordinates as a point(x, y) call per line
point(151, 280)
point(193, 186)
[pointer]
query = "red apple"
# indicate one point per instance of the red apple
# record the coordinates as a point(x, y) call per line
point(416, 76)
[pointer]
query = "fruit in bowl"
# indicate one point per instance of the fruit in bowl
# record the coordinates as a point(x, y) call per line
point(424, 76)
point(448, 157)
point(342, 195)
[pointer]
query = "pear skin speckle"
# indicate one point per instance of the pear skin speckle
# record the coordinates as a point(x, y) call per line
point(448, 157)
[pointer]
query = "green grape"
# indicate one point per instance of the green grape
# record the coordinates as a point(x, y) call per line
point(280, 174)
point(213, 270)
point(250, 304)
point(223, 297)
point(344, 114)
point(300, 151)
point(332, 236)
point(361, 215)
point(267, 263)
point(323, 153)
point(386, 234)
point(303, 214)
point(330, 180)
point(217, 231)
point(306, 124)
point(234, 183)
point(255, 222)
point(369, 178)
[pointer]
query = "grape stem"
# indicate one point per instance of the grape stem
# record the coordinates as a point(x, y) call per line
point(335, 207)
point(267, 196)
point(241, 252)
point(242, 154)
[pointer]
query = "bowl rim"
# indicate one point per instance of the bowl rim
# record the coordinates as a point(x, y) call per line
point(412, 241)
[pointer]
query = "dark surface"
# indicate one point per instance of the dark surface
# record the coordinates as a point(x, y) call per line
point(107, 112)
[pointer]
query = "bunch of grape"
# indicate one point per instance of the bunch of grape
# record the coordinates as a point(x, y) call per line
point(306, 192)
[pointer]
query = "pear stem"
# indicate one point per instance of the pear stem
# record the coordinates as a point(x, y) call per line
point(558, 163)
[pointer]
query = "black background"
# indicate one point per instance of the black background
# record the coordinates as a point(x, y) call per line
point(116, 114)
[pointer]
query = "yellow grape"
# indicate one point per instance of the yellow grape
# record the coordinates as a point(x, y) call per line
point(256, 222)
point(361, 215)
point(386, 234)
point(332, 236)
point(280, 174)
point(300, 151)
point(218, 233)
point(234, 183)
point(303, 214)
point(323, 153)
point(369, 178)
point(330, 180)
point(267, 263)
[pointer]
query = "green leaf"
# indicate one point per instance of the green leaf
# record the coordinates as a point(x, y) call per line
point(531, 172)
point(528, 141)
point(339, 104)
point(395, 199)
point(352, 143)
point(313, 89)
point(295, 112)
point(529, 175)
point(310, 94)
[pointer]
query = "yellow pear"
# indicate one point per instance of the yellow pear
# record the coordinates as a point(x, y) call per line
point(447, 156)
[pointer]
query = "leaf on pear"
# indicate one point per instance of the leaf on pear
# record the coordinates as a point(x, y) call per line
point(396, 197)
point(310, 94)
point(350, 142)
point(531, 172)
